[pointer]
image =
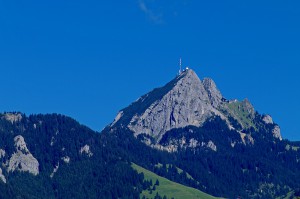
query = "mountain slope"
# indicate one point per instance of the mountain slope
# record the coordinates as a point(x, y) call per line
point(169, 188)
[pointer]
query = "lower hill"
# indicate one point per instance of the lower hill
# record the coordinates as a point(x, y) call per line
point(165, 187)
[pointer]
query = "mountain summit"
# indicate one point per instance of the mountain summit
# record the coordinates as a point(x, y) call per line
point(184, 101)
point(187, 101)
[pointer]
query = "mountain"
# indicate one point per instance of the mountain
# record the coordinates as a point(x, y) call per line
point(188, 101)
point(229, 148)
point(186, 134)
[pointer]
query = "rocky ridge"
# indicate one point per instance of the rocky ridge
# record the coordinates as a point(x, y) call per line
point(187, 101)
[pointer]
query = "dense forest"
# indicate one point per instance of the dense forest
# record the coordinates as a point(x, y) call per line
point(262, 170)
point(107, 174)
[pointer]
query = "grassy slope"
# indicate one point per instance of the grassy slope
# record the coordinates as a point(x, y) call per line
point(237, 110)
point(169, 188)
point(288, 196)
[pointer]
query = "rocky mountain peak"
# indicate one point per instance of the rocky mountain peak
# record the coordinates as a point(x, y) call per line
point(186, 101)
point(182, 102)
point(189, 83)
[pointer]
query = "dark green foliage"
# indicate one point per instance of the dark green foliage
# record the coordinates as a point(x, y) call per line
point(157, 183)
point(107, 174)
point(297, 193)
point(235, 123)
point(239, 171)
point(242, 170)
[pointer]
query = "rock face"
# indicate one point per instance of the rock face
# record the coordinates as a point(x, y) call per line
point(22, 159)
point(214, 94)
point(277, 132)
point(187, 102)
point(86, 150)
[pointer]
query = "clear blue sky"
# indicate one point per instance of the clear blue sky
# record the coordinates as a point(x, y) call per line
point(89, 59)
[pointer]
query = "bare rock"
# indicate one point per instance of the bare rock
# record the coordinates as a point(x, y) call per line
point(66, 159)
point(277, 132)
point(2, 177)
point(213, 92)
point(268, 119)
point(54, 170)
point(187, 103)
point(13, 117)
point(20, 144)
point(118, 117)
point(246, 138)
point(211, 145)
point(22, 159)
point(86, 150)
point(2, 153)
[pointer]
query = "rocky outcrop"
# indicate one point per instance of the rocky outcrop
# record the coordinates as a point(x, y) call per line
point(267, 119)
point(246, 138)
point(22, 159)
point(13, 117)
point(54, 170)
point(277, 132)
point(174, 144)
point(211, 145)
point(66, 159)
point(2, 177)
point(86, 150)
point(20, 144)
point(213, 92)
point(2, 153)
point(120, 114)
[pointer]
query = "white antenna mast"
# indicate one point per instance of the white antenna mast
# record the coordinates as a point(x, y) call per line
point(180, 66)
